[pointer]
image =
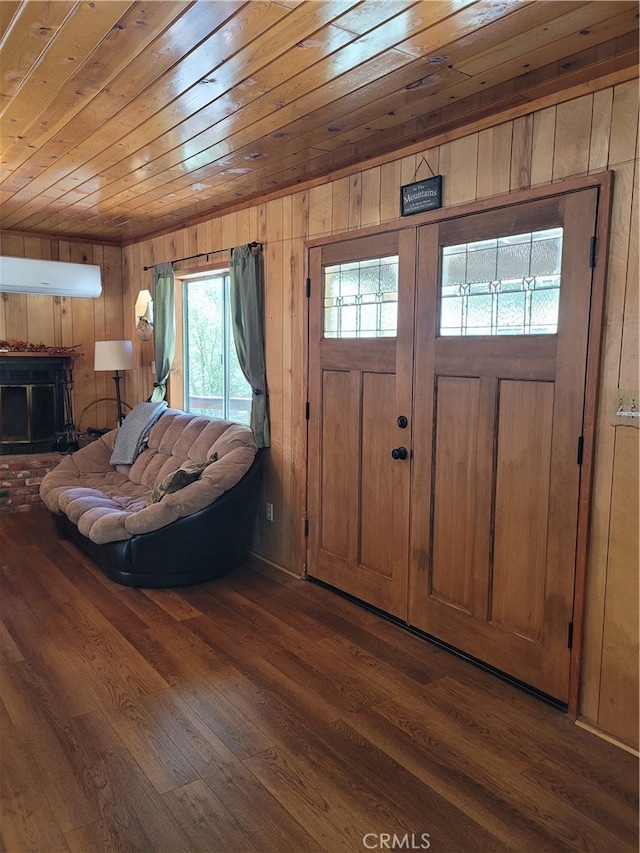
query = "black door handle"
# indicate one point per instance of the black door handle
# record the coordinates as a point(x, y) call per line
point(399, 453)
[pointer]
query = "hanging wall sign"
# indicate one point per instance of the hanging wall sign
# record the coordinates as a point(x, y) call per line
point(421, 196)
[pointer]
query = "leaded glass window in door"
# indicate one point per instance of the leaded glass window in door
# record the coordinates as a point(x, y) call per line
point(502, 286)
point(361, 299)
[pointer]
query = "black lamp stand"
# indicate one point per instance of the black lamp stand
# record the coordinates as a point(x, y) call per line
point(120, 416)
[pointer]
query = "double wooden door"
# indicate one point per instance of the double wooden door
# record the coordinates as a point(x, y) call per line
point(444, 441)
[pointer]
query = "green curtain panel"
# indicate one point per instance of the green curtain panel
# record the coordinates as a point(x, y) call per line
point(164, 328)
point(247, 295)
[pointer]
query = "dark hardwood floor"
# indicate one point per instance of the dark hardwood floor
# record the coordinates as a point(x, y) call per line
point(262, 713)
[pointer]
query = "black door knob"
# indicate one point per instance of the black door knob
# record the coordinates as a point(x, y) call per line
point(402, 422)
point(399, 453)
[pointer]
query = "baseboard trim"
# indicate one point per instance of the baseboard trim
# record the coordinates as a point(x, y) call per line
point(261, 563)
point(594, 730)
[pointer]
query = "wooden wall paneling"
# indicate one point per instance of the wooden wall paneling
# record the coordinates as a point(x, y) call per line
point(390, 183)
point(169, 247)
point(521, 151)
point(274, 221)
point(201, 234)
point(135, 279)
point(253, 223)
point(294, 251)
point(618, 707)
point(573, 133)
point(95, 413)
point(542, 146)
point(261, 229)
point(291, 508)
point(117, 327)
point(66, 314)
point(277, 275)
point(320, 209)
point(600, 130)
point(340, 212)
point(618, 710)
point(427, 163)
point(176, 377)
point(269, 532)
point(191, 242)
point(458, 165)
point(40, 309)
point(181, 239)
point(494, 160)
point(228, 231)
point(605, 443)
point(217, 235)
point(370, 197)
point(146, 349)
point(355, 201)
point(4, 335)
point(245, 233)
point(17, 317)
point(624, 123)
point(300, 213)
point(409, 168)
point(630, 355)
point(82, 314)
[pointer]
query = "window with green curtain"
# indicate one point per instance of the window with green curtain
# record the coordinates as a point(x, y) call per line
point(214, 382)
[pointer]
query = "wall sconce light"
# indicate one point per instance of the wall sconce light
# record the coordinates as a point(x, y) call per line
point(144, 315)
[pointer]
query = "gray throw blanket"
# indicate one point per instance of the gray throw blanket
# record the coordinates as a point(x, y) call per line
point(134, 430)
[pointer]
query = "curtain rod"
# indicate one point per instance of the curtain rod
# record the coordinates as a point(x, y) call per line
point(201, 255)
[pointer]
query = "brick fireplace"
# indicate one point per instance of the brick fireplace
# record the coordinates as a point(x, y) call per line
point(20, 478)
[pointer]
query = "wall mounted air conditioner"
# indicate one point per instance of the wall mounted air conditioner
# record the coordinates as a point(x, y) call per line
point(52, 278)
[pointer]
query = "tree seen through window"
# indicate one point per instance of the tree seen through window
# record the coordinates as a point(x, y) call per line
point(214, 382)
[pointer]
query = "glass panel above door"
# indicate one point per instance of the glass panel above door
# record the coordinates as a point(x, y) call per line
point(503, 286)
point(361, 299)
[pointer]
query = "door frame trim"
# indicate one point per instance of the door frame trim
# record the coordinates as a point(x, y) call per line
point(603, 181)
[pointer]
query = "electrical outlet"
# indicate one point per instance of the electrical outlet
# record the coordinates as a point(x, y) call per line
point(269, 512)
point(626, 409)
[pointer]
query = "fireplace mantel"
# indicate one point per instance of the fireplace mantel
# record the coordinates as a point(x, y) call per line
point(9, 353)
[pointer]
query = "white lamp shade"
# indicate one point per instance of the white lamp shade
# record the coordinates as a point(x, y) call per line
point(114, 355)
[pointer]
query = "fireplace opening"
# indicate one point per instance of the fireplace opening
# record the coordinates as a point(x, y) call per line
point(33, 394)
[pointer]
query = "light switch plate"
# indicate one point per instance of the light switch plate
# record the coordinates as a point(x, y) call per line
point(626, 408)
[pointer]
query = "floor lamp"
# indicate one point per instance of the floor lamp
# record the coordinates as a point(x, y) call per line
point(115, 355)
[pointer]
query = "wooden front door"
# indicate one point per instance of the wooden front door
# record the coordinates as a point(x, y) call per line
point(471, 535)
point(360, 367)
point(497, 432)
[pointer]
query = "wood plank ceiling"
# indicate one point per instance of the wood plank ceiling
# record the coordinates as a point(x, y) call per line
point(122, 119)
